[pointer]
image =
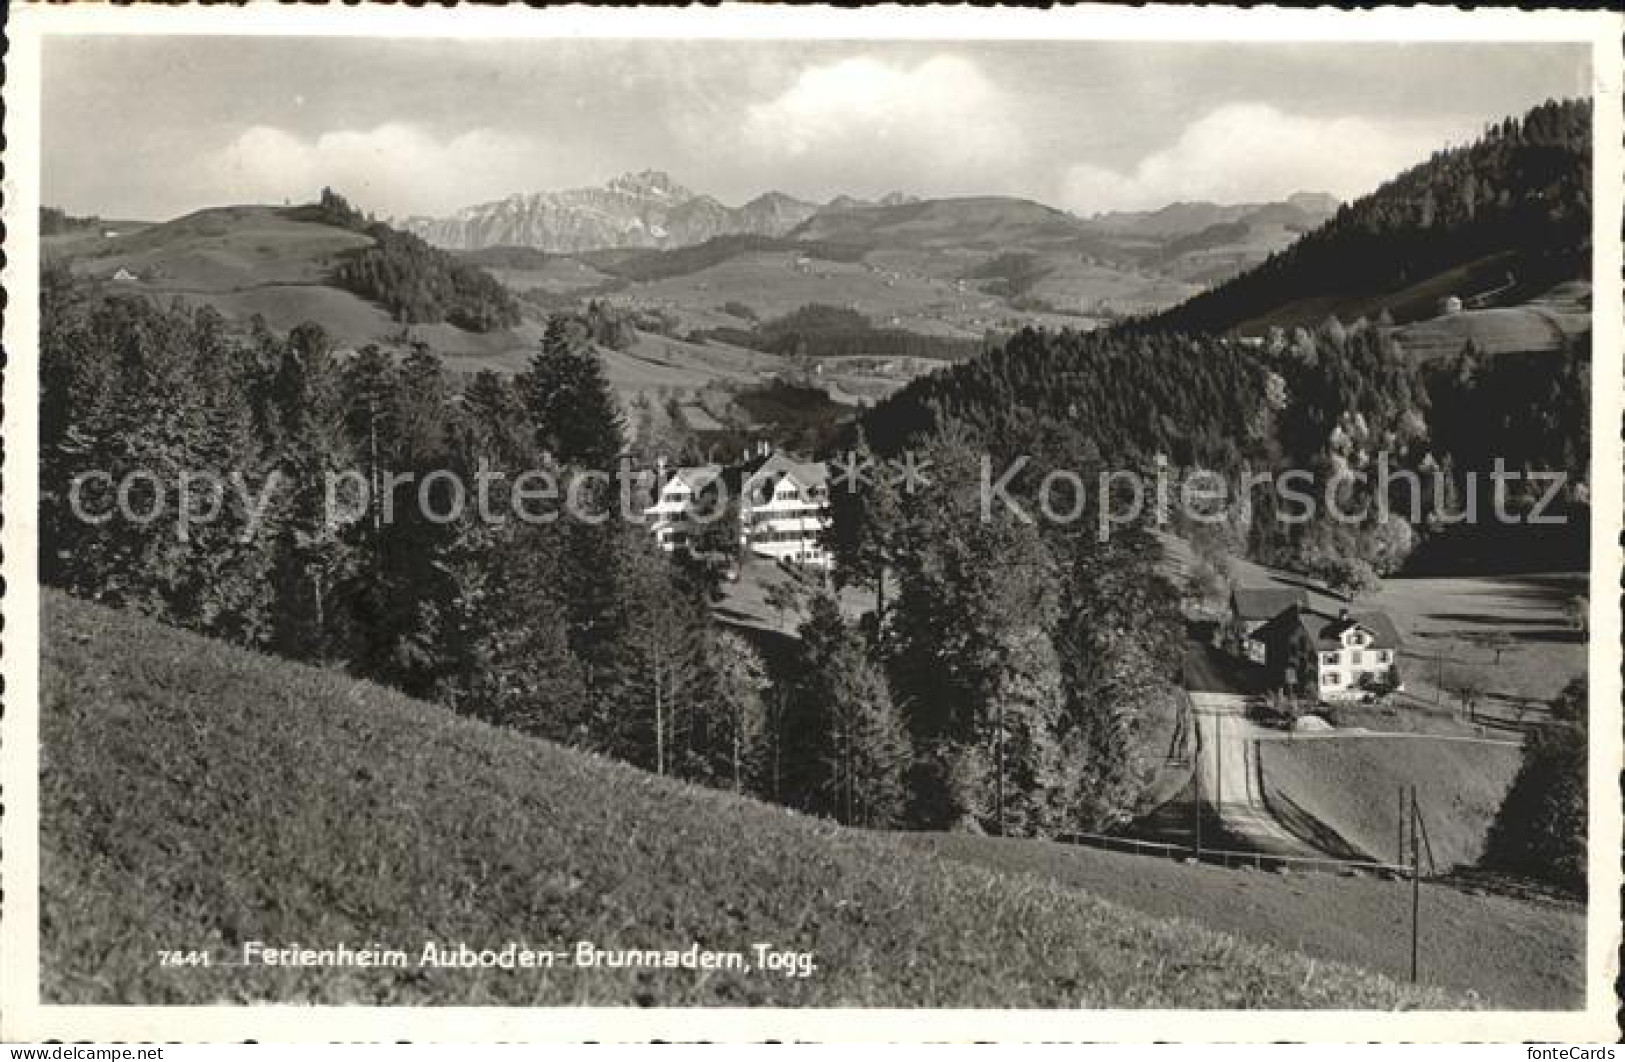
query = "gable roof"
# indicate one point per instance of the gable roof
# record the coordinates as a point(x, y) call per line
point(1262, 603)
point(810, 473)
point(696, 477)
point(805, 473)
point(1325, 631)
point(1384, 635)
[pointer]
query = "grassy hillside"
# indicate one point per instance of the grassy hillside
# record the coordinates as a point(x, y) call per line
point(1533, 958)
point(1350, 785)
point(196, 796)
point(225, 249)
point(276, 263)
point(1541, 324)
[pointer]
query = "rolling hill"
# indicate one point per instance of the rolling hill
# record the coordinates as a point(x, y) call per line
point(646, 240)
point(196, 795)
point(953, 268)
point(275, 263)
point(1500, 221)
point(937, 267)
point(279, 264)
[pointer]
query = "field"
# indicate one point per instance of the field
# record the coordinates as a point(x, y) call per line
point(252, 260)
point(197, 796)
point(1509, 953)
point(1350, 787)
point(255, 260)
point(1443, 619)
point(655, 363)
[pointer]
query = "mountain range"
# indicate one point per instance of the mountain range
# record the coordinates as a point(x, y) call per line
point(651, 210)
point(646, 209)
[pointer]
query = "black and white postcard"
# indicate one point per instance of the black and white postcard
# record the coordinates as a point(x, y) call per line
point(748, 523)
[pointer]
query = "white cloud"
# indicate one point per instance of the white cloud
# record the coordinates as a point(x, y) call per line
point(1250, 152)
point(396, 168)
point(868, 125)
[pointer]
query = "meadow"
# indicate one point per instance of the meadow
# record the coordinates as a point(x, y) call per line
point(201, 797)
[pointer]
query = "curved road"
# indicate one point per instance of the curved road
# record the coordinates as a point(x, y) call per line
point(1226, 768)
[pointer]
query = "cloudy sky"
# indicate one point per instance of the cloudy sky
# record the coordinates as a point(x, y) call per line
point(151, 128)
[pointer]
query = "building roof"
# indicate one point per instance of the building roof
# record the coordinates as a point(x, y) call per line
point(805, 473)
point(810, 473)
point(1262, 603)
point(1384, 635)
point(1326, 631)
point(695, 477)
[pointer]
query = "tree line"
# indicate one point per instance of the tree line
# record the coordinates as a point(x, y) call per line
point(1022, 716)
point(822, 331)
point(1522, 191)
point(584, 634)
point(416, 282)
point(1336, 403)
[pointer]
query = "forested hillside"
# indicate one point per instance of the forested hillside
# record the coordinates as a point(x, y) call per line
point(1334, 401)
point(415, 282)
point(366, 514)
point(1515, 204)
point(820, 331)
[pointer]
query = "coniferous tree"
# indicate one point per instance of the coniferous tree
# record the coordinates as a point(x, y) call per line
point(847, 753)
point(971, 662)
point(1541, 829)
point(570, 401)
point(864, 521)
point(1119, 642)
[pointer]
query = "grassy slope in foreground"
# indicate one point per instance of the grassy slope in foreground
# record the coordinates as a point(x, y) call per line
point(1352, 784)
point(197, 796)
point(1511, 953)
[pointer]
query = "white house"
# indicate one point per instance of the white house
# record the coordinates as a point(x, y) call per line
point(124, 276)
point(1340, 657)
point(688, 500)
point(784, 511)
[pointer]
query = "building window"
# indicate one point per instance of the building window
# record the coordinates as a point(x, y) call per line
point(1328, 658)
point(1385, 656)
point(1359, 658)
point(1331, 678)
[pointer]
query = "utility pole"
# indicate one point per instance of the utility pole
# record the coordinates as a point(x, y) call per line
point(660, 719)
point(1197, 807)
point(1416, 893)
point(1399, 848)
point(998, 755)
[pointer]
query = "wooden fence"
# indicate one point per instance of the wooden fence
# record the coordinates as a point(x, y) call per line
point(1230, 858)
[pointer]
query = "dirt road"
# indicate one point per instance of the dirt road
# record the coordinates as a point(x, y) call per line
point(1226, 765)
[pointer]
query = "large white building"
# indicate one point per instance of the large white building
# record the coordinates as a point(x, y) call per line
point(784, 511)
point(686, 498)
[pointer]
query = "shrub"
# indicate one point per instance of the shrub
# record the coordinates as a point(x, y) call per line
point(1540, 831)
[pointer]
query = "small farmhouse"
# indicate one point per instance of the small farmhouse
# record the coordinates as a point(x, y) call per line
point(1250, 609)
point(124, 276)
point(1331, 657)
